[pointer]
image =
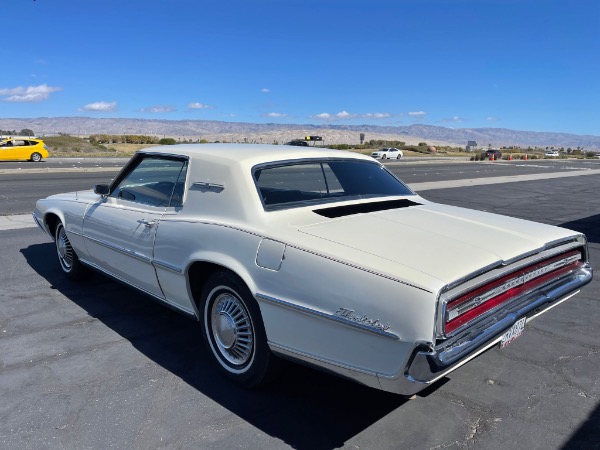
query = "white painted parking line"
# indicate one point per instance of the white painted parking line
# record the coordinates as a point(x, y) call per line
point(418, 187)
point(16, 222)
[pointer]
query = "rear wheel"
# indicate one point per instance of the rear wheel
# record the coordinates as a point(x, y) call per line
point(384, 157)
point(69, 262)
point(36, 157)
point(233, 330)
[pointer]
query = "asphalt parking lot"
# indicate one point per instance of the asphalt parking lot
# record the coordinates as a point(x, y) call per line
point(96, 365)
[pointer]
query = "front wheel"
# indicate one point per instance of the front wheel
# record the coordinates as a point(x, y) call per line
point(384, 157)
point(36, 157)
point(69, 262)
point(399, 156)
point(233, 330)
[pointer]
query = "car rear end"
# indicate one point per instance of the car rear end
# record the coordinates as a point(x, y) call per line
point(492, 307)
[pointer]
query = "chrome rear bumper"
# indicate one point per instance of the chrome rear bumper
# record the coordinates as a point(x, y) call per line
point(427, 365)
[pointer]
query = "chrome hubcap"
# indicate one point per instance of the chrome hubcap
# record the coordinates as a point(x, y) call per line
point(232, 329)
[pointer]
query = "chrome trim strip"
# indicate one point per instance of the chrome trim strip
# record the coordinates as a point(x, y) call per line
point(364, 269)
point(207, 187)
point(76, 233)
point(354, 266)
point(519, 261)
point(158, 298)
point(338, 319)
point(278, 348)
point(478, 279)
point(517, 280)
point(167, 266)
point(37, 222)
point(149, 152)
point(121, 250)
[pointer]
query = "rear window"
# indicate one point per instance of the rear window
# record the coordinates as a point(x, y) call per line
point(316, 182)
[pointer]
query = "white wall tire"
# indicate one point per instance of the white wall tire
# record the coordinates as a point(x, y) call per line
point(233, 330)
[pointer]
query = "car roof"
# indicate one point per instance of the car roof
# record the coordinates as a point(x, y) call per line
point(26, 138)
point(251, 154)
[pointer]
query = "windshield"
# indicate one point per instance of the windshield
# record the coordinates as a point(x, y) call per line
point(296, 184)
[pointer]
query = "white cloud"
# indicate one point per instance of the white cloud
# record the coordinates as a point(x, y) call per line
point(198, 105)
point(417, 113)
point(28, 94)
point(345, 115)
point(491, 119)
point(100, 106)
point(376, 115)
point(159, 109)
point(275, 114)
point(265, 90)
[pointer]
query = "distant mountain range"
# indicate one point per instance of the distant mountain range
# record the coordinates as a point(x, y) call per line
point(267, 133)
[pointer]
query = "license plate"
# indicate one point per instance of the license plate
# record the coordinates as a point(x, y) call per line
point(515, 331)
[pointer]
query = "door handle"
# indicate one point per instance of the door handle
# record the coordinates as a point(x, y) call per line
point(147, 223)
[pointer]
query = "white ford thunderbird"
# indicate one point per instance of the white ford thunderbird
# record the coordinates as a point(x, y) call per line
point(272, 250)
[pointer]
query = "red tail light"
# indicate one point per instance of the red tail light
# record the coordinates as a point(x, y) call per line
point(479, 301)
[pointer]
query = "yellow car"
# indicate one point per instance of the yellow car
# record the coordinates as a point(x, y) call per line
point(23, 149)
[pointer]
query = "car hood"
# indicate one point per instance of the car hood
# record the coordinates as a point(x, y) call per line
point(445, 242)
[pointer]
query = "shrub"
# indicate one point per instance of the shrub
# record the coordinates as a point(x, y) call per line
point(167, 141)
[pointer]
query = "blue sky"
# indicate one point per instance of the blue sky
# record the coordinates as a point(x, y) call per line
point(520, 64)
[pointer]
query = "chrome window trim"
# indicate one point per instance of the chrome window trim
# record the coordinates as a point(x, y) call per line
point(332, 317)
point(134, 161)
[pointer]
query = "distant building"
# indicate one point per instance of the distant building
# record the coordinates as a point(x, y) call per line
point(471, 145)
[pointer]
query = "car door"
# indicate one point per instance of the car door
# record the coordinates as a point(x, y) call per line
point(8, 150)
point(120, 228)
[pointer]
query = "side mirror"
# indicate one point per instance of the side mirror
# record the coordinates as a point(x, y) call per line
point(102, 189)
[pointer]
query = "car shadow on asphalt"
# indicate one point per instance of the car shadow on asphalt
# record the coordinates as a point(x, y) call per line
point(590, 226)
point(588, 435)
point(304, 408)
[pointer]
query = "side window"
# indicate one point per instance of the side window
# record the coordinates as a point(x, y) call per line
point(154, 181)
point(297, 183)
